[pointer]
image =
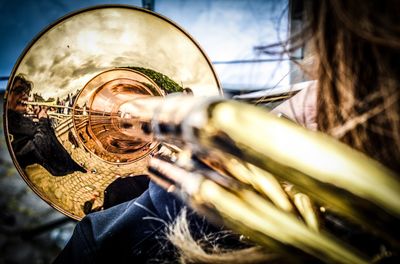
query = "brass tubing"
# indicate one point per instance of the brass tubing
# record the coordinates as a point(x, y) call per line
point(256, 217)
point(333, 174)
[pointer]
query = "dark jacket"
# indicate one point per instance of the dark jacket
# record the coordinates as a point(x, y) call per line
point(36, 143)
point(131, 232)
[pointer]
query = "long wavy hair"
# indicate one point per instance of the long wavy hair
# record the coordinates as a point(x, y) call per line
point(357, 49)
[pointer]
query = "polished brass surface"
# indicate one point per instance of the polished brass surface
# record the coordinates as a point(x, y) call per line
point(251, 215)
point(97, 116)
point(68, 85)
point(338, 178)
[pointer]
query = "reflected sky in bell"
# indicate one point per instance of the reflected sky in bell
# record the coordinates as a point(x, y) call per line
point(226, 29)
point(80, 47)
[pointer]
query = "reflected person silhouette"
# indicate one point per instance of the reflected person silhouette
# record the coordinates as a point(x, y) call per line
point(32, 137)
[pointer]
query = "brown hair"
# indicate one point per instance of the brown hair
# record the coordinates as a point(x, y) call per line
point(356, 53)
point(357, 47)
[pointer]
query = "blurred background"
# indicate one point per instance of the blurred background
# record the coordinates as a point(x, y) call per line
point(229, 31)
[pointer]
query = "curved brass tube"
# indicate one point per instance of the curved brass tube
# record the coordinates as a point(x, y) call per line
point(334, 175)
point(252, 215)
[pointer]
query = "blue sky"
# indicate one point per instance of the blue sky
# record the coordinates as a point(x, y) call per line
point(226, 29)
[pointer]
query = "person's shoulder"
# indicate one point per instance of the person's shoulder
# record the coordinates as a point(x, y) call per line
point(301, 108)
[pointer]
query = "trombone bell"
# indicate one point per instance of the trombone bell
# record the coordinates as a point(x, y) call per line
point(63, 125)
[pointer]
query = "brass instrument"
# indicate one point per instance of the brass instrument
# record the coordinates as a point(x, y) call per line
point(122, 101)
point(117, 49)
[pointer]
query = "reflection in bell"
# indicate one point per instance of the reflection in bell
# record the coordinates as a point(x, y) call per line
point(103, 130)
point(34, 141)
point(73, 102)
